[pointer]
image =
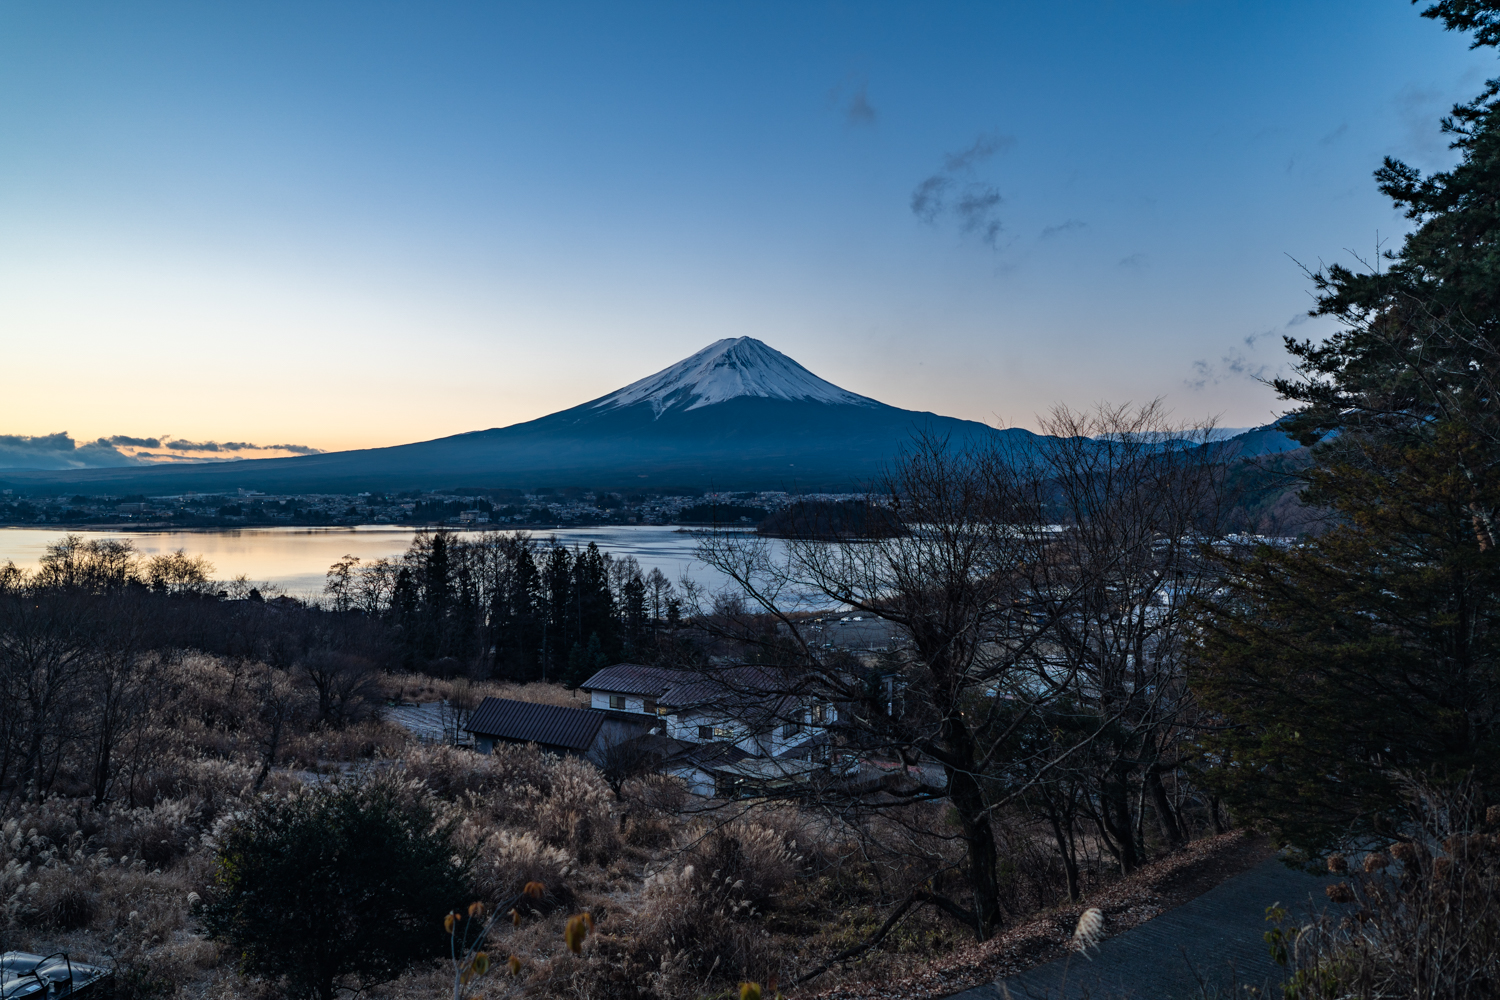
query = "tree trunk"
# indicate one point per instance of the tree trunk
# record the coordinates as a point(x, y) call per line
point(1165, 815)
point(1065, 851)
point(968, 802)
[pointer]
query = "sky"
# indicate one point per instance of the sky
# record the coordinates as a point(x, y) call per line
point(343, 225)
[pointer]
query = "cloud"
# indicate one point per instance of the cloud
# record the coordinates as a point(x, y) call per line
point(927, 199)
point(1135, 262)
point(977, 208)
point(1235, 365)
point(1063, 227)
point(984, 147)
point(852, 97)
point(1231, 365)
point(1334, 136)
point(976, 203)
point(859, 110)
point(58, 451)
point(214, 447)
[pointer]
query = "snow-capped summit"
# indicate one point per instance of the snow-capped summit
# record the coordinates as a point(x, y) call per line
point(726, 369)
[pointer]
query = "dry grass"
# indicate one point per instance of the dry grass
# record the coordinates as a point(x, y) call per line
point(421, 688)
point(685, 904)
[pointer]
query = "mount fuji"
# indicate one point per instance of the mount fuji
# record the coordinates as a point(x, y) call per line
point(736, 415)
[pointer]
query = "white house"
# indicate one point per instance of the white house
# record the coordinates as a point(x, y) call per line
point(743, 706)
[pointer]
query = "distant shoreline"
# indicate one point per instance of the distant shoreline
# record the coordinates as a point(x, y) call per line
point(216, 529)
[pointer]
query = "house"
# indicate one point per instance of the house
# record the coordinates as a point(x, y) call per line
point(745, 706)
point(580, 731)
point(724, 771)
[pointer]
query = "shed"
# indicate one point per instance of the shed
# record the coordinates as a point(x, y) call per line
point(551, 727)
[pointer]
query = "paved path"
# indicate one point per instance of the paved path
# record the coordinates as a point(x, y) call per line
point(1201, 949)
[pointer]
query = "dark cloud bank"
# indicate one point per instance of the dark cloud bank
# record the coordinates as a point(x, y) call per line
point(60, 451)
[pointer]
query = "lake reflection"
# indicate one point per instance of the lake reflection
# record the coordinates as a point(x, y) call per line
point(296, 559)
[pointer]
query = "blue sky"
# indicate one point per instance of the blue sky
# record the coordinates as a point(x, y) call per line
point(356, 224)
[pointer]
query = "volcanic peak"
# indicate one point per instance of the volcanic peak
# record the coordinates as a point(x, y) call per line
point(727, 369)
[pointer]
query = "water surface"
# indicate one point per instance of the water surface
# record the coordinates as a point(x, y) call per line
point(296, 559)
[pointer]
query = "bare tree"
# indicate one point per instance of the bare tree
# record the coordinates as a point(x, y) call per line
point(1135, 500)
point(954, 584)
point(1036, 593)
point(345, 684)
point(280, 701)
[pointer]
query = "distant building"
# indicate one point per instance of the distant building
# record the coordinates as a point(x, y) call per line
point(580, 731)
point(739, 705)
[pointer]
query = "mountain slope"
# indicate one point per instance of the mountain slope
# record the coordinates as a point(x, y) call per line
point(735, 415)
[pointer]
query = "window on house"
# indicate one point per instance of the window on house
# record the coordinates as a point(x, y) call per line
point(649, 706)
point(705, 732)
point(722, 732)
point(617, 701)
point(791, 729)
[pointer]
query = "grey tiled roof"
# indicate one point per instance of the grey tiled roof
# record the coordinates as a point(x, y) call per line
point(722, 687)
point(633, 678)
point(548, 725)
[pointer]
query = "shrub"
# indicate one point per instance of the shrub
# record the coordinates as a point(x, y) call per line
point(339, 886)
point(1421, 919)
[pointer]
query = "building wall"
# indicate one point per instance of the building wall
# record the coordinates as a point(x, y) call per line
point(633, 702)
point(684, 726)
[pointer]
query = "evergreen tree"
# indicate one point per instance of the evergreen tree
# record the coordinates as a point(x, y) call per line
point(633, 616)
point(405, 613)
point(559, 628)
point(594, 604)
point(515, 621)
point(584, 661)
point(1372, 650)
point(437, 597)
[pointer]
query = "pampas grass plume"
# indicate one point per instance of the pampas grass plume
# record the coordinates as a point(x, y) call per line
point(1090, 930)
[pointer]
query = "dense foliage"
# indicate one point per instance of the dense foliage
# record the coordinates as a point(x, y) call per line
point(336, 887)
point(506, 604)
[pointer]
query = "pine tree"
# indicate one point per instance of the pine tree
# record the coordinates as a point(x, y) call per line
point(1374, 650)
point(633, 616)
point(594, 604)
point(559, 629)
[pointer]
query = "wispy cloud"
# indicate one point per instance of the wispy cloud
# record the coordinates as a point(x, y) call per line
point(859, 110)
point(215, 447)
point(954, 190)
point(1135, 262)
point(852, 97)
point(1234, 364)
point(984, 147)
point(1063, 227)
point(1335, 135)
point(927, 199)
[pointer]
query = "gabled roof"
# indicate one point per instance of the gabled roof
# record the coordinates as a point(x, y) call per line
point(633, 678)
point(524, 721)
point(735, 687)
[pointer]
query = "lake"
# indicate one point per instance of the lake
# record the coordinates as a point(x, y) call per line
point(296, 559)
